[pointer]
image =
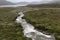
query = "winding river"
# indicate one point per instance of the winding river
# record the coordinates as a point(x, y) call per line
point(29, 30)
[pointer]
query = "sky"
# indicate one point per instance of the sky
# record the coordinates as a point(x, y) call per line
point(16, 1)
point(13, 2)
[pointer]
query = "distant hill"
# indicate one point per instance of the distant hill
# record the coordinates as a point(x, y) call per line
point(46, 5)
point(3, 2)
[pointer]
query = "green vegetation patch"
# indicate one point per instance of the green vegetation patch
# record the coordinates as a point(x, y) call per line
point(9, 29)
point(46, 20)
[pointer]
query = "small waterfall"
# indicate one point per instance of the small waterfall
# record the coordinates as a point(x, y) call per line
point(29, 30)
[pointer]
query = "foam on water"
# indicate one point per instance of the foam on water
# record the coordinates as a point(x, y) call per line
point(29, 30)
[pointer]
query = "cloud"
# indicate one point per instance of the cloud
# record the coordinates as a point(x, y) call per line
point(10, 2)
point(15, 1)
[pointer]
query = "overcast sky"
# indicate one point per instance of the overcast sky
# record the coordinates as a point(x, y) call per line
point(16, 1)
point(3, 2)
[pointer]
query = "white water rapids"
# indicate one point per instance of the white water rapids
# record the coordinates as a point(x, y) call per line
point(29, 30)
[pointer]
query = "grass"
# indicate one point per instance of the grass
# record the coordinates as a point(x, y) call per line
point(45, 20)
point(9, 29)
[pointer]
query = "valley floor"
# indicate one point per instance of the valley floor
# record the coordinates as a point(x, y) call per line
point(44, 20)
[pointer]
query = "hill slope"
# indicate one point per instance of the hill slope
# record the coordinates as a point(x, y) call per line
point(4, 2)
point(46, 5)
point(47, 20)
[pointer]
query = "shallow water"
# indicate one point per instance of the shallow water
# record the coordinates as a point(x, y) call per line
point(29, 30)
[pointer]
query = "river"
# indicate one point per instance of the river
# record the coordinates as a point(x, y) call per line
point(30, 32)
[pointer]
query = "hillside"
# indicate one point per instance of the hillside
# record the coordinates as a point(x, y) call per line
point(47, 5)
point(4, 2)
point(9, 29)
point(45, 20)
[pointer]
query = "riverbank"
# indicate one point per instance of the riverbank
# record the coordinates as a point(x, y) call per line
point(9, 29)
point(45, 20)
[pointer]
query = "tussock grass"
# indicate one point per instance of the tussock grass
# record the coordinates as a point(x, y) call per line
point(45, 20)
